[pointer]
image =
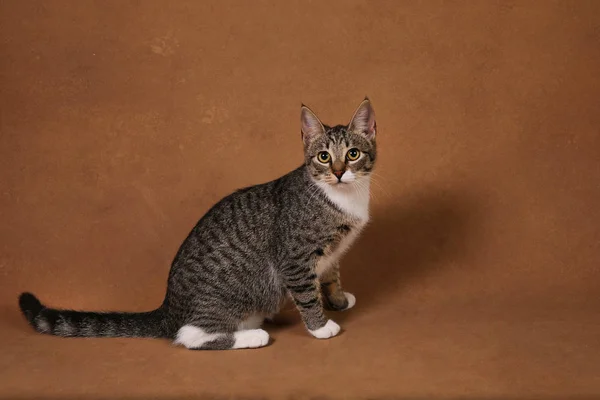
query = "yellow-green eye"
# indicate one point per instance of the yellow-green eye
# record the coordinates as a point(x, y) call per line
point(324, 157)
point(353, 154)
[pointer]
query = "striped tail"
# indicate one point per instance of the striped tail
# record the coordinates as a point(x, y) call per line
point(68, 323)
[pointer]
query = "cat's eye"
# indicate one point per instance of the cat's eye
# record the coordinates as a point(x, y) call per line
point(353, 154)
point(324, 157)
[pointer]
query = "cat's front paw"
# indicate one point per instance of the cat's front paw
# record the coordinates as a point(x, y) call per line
point(351, 300)
point(330, 329)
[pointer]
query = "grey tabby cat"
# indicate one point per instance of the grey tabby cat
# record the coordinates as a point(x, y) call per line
point(252, 250)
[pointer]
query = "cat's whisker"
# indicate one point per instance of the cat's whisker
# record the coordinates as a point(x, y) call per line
point(314, 191)
point(375, 179)
point(380, 187)
point(384, 178)
point(364, 189)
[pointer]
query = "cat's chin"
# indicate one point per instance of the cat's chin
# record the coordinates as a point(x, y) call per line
point(338, 184)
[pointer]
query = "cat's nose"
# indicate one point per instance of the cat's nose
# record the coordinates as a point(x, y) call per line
point(339, 173)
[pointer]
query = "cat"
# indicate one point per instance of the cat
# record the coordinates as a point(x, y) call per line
point(253, 250)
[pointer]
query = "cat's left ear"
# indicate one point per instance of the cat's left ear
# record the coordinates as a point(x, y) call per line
point(363, 121)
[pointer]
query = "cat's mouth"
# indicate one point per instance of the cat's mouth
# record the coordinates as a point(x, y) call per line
point(341, 184)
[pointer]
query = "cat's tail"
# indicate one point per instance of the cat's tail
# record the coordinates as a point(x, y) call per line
point(69, 323)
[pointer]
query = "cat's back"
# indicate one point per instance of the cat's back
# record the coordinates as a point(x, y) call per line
point(247, 213)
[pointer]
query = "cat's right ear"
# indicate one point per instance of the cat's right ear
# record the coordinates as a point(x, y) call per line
point(311, 125)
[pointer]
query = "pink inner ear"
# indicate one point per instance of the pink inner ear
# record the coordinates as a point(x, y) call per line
point(311, 126)
point(364, 121)
point(372, 128)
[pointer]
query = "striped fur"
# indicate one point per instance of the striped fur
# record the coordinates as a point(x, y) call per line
point(252, 250)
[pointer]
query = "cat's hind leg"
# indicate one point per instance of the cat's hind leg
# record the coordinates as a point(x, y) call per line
point(247, 336)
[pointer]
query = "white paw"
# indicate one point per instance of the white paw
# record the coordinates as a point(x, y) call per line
point(351, 300)
point(330, 329)
point(193, 337)
point(251, 339)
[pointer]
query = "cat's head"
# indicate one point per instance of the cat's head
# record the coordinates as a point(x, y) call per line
point(344, 155)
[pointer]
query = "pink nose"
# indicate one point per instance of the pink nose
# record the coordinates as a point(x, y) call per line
point(338, 174)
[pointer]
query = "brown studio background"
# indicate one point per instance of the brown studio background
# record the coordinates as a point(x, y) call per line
point(122, 122)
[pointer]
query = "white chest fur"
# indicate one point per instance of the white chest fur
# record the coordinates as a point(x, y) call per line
point(353, 200)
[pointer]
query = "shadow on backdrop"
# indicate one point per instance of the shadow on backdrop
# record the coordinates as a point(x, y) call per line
point(426, 232)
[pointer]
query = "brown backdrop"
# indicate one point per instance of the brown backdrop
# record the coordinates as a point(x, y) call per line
point(122, 122)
